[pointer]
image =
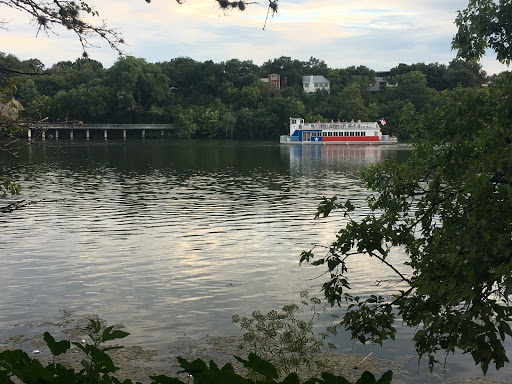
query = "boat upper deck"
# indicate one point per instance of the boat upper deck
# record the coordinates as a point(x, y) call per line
point(353, 125)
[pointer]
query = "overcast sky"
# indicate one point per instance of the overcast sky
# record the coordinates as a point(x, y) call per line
point(376, 33)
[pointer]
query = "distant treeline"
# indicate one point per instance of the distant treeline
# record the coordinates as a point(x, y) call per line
point(227, 99)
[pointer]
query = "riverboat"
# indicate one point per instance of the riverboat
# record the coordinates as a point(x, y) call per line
point(354, 132)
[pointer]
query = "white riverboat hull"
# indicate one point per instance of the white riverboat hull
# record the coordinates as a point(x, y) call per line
point(337, 133)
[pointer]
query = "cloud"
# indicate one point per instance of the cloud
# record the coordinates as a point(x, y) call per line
point(342, 33)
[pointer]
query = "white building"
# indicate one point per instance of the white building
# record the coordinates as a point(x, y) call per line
point(311, 84)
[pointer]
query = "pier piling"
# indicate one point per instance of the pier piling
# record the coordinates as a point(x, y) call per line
point(71, 127)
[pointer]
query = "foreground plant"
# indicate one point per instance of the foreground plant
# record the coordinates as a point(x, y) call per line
point(448, 208)
point(98, 368)
point(287, 338)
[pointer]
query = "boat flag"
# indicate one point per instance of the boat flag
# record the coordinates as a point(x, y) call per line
point(382, 121)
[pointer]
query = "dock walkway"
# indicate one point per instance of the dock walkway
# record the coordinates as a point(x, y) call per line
point(71, 127)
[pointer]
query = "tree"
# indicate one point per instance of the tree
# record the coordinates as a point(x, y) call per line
point(72, 15)
point(435, 73)
point(292, 70)
point(75, 16)
point(412, 86)
point(464, 73)
point(341, 78)
point(350, 104)
point(448, 207)
point(484, 24)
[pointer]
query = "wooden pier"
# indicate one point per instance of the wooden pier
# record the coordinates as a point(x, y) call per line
point(71, 127)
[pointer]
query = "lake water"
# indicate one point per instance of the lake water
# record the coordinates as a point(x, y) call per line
point(171, 238)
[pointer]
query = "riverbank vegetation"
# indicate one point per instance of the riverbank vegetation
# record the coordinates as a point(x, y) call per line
point(448, 207)
point(228, 99)
point(92, 352)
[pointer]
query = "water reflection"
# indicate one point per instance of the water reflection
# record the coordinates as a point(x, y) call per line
point(173, 238)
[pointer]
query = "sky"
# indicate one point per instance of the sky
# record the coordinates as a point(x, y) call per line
point(374, 33)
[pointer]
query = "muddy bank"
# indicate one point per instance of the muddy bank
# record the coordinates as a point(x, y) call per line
point(138, 363)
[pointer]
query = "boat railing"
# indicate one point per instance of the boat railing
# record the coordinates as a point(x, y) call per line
point(339, 125)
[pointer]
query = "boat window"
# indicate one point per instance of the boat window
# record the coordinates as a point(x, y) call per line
point(351, 133)
point(363, 133)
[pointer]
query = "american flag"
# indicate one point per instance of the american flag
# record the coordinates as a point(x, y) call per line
point(382, 121)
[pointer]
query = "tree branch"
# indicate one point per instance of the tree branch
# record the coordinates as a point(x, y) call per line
point(7, 70)
point(409, 281)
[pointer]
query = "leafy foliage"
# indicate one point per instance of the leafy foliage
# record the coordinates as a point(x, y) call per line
point(226, 99)
point(448, 207)
point(97, 364)
point(98, 367)
point(287, 338)
point(8, 186)
point(76, 17)
point(484, 24)
point(72, 15)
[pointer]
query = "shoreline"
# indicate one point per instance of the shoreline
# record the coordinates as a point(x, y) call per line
point(139, 363)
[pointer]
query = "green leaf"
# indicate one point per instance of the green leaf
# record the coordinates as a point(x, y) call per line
point(329, 378)
point(162, 379)
point(292, 378)
point(228, 367)
point(386, 378)
point(109, 335)
point(63, 375)
point(117, 381)
point(366, 378)
point(28, 370)
point(57, 348)
point(197, 365)
point(260, 366)
point(4, 378)
point(96, 326)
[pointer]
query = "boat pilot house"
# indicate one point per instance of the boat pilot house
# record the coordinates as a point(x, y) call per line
point(335, 133)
